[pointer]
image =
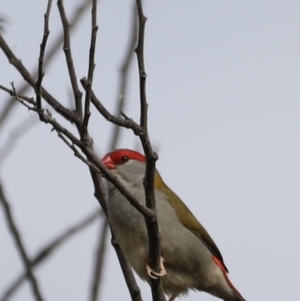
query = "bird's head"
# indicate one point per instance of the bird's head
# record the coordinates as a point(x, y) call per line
point(127, 164)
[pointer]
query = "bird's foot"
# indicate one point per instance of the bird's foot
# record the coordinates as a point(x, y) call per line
point(154, 274)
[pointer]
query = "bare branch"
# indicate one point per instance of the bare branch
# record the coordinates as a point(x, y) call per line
point(17, 95)
point(87, 112)
point(140, 56)
point(47, 118)
point(69, 59)
point(23, 99)
point(152, 224)
point(48, 249)
point(20, 246)
point(38, 84)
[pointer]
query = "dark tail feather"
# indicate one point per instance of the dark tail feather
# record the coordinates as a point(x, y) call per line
point(237, 298)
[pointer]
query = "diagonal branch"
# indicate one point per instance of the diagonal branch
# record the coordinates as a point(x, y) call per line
point(17, 95)
point(77, 153)
point(20, 246)
point(126, 123)
point(93, 158)
point(66, 113)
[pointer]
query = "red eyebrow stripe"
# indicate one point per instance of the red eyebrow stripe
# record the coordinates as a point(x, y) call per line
point(117, 155)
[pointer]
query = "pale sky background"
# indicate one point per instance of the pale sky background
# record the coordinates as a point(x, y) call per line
point(224, 114)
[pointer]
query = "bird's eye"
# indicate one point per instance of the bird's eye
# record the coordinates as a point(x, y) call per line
point(125, 158)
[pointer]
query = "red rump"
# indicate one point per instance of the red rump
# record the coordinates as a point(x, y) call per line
point(219, 264)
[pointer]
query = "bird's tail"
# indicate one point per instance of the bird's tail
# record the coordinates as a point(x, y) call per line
point(237, 298)
point(236, 294)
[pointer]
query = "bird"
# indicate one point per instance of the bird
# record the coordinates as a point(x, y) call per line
point(190, 259)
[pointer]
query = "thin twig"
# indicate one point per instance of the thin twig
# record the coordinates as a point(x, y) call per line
point(77, 153)
point(58, 127)
point(67, 50)
point(23, 100)
point(20, 246)
point(91, 69)
point(38, 83)
point(48, 249)
point(17, 95)
point(140, 56)
point(126, 123)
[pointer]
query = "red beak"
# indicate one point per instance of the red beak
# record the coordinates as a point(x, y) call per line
point(107, 161)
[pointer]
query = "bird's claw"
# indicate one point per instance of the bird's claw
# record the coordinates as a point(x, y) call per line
point(154, 274)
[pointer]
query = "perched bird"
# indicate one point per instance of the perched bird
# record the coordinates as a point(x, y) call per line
point(190, 258)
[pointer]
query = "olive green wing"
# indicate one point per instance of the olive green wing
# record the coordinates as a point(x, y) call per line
point(187, 219)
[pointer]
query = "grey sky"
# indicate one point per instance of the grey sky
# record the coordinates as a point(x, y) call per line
point(223, 92)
